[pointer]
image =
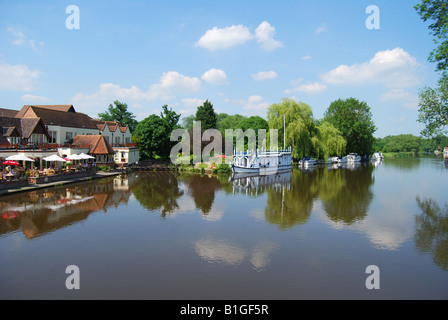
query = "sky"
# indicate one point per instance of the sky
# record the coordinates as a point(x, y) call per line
point(242, 56)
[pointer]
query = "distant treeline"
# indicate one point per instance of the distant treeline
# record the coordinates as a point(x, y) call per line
point(410, 143)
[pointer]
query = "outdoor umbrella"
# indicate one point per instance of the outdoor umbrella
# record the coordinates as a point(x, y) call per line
point(11, 163)
point(74, 157)
point(85, 156)
point(54, 158)
point(19, 157)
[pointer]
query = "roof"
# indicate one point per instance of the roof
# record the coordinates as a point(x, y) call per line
point(23, 128)
point(98, 145)
point(8, 112)
point(51, 116)
point(112, 125)
point(56, 107)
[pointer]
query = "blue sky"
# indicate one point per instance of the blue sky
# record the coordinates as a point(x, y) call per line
point(241, 55)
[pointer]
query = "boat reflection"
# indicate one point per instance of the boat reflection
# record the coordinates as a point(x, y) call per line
point(255, 184)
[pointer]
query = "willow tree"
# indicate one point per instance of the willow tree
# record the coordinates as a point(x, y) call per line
point(331, 141)
point(301, 129)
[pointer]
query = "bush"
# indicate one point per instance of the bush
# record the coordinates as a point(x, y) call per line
point(223, 168)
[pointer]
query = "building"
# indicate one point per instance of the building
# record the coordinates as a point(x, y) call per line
point(53, 127)
point(22, 133)
point(115, 134)
point(62, 121)
point(99, 148)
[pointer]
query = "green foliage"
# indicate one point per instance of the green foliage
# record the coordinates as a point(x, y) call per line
point(409, 144)
point(433, 108)
point(187, 122)
point(206, 115)
point(436, 11)
point(118, 112)
point(301, 129)
point(152, 134)
point(354, 120)
point(223, 168)
point(225, 121)
point(331, 141)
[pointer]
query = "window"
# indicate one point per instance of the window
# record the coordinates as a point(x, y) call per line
point(53, 135)
point(68, 136)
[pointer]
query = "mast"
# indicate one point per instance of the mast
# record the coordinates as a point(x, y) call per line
point(284, 132)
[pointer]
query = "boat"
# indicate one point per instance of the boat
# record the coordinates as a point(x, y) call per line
point(262, 162)
point(377, 156)
point(332, 160)
point(307, 162)
point(342, 159)
point(353, 157)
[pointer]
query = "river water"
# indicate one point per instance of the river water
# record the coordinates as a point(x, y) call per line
point(311, 234)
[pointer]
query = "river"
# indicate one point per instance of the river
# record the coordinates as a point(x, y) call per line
point(313, 234)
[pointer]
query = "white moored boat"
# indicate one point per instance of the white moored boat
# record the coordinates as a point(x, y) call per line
point(341, 160)
point(262, 162)
point(307, 162)
point(353, 157)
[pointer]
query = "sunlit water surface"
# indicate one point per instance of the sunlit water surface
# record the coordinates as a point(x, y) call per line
point(301, 235)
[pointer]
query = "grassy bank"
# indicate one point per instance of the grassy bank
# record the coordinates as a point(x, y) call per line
point(400, 154)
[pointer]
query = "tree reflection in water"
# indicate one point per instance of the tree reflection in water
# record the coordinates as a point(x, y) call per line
point(345, 194)
point(158, 191)
point(202, 189)
point(431, 231)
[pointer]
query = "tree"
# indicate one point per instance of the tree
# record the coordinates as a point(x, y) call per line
point(152, 134)
point(187, 122)
point(436, 11)
point(301, 129)
point(225, 121)
point(171, 118)
point(206, 114)
point(433, 108)
point(118, 112)
point(331, 141)
point(354, 120)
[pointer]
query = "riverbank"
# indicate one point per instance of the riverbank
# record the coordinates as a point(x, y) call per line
point(50, 184)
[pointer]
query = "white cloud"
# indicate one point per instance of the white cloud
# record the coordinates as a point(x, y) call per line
point(193, 102)
point(34, 99)
point(215, 76)
point(306, 58)
point(265, 35)
point(409, 100)
point(392, 68)
point(311, 87)
point(17, 77)
point(171, 83)
point(264, 75)
point(321, 28)
point(20, 39)
point(222, 38)
point(255, 105)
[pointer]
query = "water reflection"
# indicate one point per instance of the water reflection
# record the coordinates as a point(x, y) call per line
point(431, 231)
point(221, 251)
point(39, 212)
point(158, 191)
point(345, 193)
point(202, 189)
